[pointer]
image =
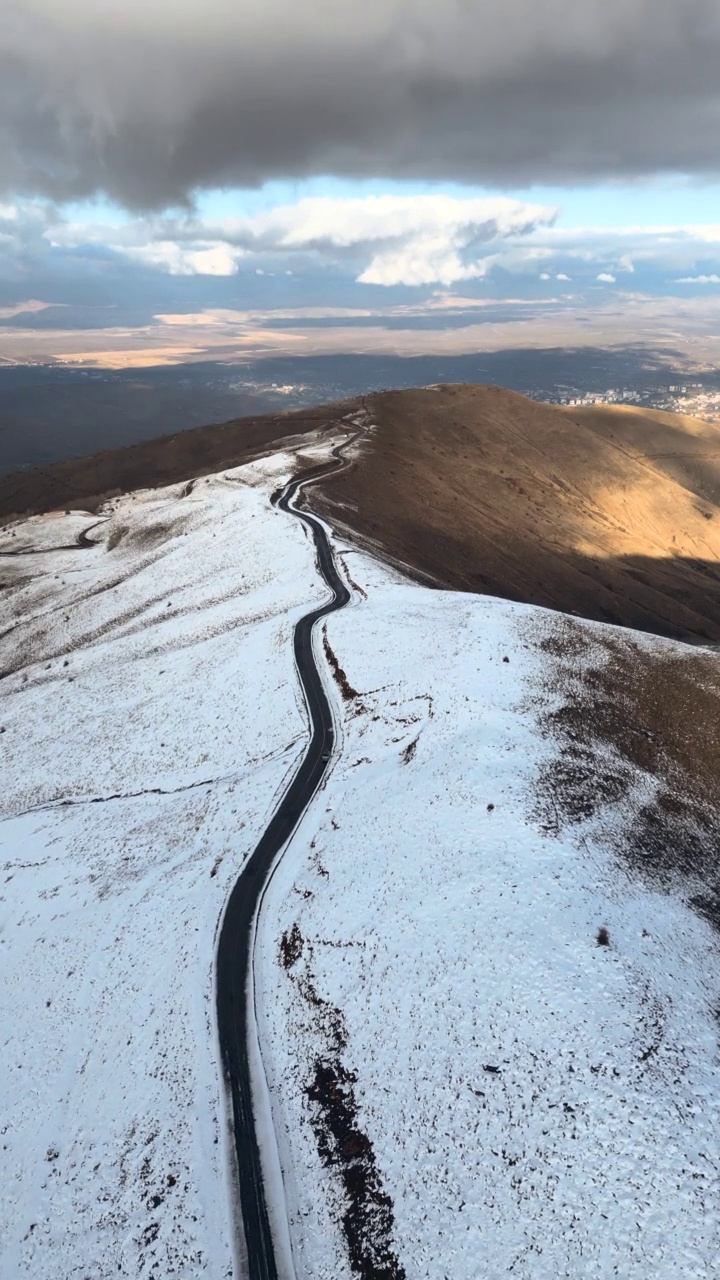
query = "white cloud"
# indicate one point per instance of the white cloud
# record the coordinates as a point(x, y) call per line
point(200, 258)
point(391, 240)
point(410, 240)
point(712, 279)
point(425, 259)
point(396, 239)
point(662, 247)
point(321, 220)
point(213, 260)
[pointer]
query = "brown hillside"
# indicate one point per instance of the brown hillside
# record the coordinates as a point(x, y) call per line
point(610, 513)
point(82, 482)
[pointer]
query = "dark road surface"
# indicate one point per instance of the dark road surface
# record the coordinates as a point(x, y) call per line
point(234, 955)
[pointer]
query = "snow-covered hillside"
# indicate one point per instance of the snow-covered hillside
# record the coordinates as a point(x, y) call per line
point(152, 720)
point(463, 1082)
point(536, 1104)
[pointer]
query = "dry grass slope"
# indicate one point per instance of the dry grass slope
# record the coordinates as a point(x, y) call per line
point(611, 513)
point(631, 714)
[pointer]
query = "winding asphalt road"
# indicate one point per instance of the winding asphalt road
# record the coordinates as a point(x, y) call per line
point(83, 540)
point(234, 985)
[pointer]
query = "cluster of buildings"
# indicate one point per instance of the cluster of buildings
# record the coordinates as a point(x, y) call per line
point(693, 398)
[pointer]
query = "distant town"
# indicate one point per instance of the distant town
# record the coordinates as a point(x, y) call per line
point(691, 398)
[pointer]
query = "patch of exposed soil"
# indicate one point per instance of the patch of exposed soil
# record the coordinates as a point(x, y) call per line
point(630, 715)
point(348, 693)
point(368, 1218)
point(368, 1221)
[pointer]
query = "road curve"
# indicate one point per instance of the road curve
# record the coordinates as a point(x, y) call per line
point(234, 987)
point(82, 541)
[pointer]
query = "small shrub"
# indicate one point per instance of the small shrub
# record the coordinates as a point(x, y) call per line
point(291, 947)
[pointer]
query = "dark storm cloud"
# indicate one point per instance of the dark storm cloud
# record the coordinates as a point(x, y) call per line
point(150, 99)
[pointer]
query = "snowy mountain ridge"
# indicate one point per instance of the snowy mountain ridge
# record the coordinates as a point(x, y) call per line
point(489, 1039)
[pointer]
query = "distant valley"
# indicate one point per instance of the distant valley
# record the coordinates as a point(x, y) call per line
point(52, 412)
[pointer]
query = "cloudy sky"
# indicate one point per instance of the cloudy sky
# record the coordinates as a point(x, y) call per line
point(200, 176)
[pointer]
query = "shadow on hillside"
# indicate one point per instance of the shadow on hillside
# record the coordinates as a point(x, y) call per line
point(481, 490)
point(676, 597)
